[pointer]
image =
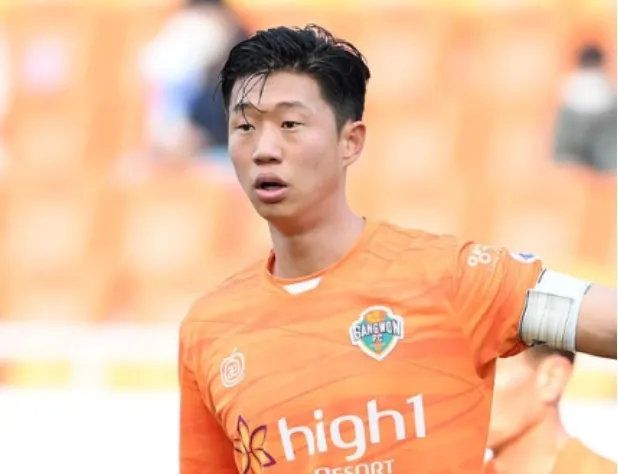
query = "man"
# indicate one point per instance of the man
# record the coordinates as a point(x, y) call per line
point(586, 125)
point(356, 347)
point(525, 431)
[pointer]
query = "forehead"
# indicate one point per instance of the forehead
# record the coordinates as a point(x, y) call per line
point(279, 87)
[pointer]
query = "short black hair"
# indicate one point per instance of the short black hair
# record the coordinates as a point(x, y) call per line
point(338, 67)
point(541, 351)
point(590, 56)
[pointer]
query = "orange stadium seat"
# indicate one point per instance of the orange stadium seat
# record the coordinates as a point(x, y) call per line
point(51, 47)
point(48, 144)
point(598, 224)
point(180, 234)
point(48, 251)
point(77, 297)
point(47, 230)
point(3, 262)
point(542, 216)
point(260, 15)
point(140, 25)
point(48, 123)
point(407, 172)
point(405, 48)
point(520, 56)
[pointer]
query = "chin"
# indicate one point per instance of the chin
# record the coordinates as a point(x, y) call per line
point(275, 212)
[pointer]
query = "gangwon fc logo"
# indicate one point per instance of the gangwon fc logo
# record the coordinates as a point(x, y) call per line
point(377, 331)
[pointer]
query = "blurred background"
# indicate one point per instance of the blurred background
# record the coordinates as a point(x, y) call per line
point(494, 120)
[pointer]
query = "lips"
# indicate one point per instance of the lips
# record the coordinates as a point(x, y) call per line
point(269, 181)
point(270, 188)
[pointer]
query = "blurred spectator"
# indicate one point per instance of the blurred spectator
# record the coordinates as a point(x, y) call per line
point(526, 434)
point(181, 66)
point(586, 129)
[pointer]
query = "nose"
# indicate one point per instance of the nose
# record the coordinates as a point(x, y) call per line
point(267, 147)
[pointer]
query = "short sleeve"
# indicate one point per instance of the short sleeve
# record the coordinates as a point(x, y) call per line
point(204, 447)
point(490, 290)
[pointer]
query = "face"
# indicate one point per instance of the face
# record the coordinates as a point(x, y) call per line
point(284, 144)
point(516, 404)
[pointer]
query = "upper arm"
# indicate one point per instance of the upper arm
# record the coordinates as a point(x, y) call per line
point(596, 325)
point(204, 446)
point(490, 291)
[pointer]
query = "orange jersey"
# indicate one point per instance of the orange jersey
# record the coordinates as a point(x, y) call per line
point(387, 366)
point(574, 458)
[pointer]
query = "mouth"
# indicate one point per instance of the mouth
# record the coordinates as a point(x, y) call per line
point(270, 188)
point(269, 182)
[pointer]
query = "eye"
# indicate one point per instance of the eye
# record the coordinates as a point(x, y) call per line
point(290, 124)
point(245, 127)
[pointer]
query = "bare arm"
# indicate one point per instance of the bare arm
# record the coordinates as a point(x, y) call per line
point(596, 326)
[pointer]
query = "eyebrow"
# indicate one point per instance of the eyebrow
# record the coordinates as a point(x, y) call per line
point(286, 104)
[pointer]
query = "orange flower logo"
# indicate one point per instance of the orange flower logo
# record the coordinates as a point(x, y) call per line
point(249, 448)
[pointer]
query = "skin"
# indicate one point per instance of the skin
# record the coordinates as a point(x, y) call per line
point(284, 126)
point(525, 432)
point(596, 326)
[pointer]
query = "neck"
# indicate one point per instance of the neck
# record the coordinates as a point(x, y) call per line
point(535, 450)
point(309, 249)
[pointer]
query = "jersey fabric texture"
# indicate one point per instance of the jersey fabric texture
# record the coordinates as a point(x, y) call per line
point(386, 367)
point(575, 458)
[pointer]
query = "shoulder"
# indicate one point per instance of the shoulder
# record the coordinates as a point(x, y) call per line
point(226, 297)
point(416, 247)
point(401, 239)
point(409, 255)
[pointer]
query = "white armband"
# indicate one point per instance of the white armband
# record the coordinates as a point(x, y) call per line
point(552, 309)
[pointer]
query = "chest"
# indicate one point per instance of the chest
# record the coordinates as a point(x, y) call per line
point(343, 375)
point(330, 350)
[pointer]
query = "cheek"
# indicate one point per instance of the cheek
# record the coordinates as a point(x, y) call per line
point(320, 157)
point(241, 158)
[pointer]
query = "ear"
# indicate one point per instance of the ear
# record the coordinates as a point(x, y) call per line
point(351, 141)
point(553, 374)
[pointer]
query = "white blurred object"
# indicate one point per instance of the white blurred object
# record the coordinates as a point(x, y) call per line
point(75, 432)
point(188, 42)
point(175, 65)
point(594, 423)
point(89, 348)
point(589, 91)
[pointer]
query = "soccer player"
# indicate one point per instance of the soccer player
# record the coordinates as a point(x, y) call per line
point(525, 431)
point(355, 346)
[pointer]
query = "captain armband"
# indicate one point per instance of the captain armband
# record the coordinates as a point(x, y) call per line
point(552, 309)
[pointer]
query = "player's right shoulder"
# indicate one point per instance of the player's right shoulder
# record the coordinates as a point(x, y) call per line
point(226, 297)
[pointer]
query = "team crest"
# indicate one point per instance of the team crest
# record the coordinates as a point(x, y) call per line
point(377, 331)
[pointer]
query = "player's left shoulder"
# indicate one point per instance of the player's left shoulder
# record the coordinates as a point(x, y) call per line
point(418, 241)
point(414, 252)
